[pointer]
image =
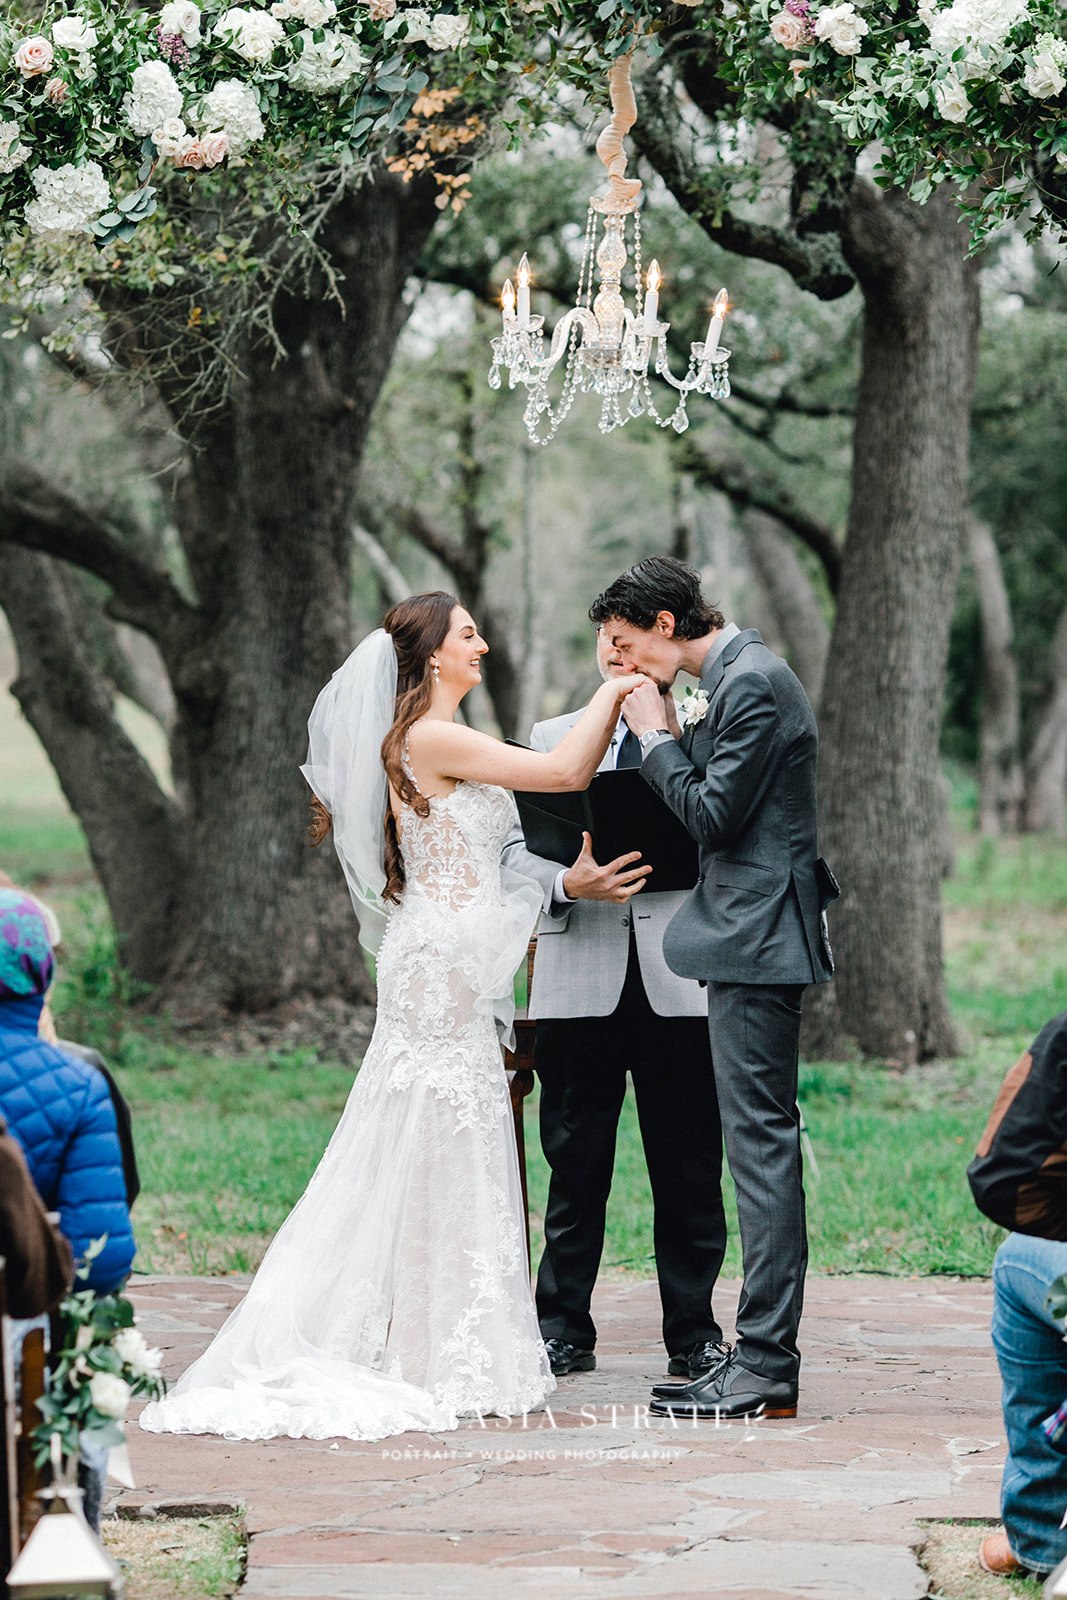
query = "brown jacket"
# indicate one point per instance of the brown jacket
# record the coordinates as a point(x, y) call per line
point(39, 1266)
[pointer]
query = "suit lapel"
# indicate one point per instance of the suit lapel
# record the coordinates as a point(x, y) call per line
point(713, 676)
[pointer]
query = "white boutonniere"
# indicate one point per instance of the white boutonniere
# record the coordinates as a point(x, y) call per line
point(694, 707)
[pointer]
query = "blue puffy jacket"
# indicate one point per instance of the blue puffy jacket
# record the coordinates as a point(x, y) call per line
point(60, 1111)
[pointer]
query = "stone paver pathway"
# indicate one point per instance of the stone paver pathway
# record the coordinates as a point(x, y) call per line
point(898, 1422)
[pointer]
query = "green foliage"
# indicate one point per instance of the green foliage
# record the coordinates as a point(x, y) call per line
point(97, 1338)
point(95, 992)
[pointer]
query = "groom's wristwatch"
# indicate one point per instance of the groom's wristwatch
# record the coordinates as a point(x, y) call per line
point(652, 733)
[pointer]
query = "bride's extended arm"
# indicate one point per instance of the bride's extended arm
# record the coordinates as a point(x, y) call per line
point(448, 750)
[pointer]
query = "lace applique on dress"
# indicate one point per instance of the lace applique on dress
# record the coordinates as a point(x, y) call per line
point(396, 1295)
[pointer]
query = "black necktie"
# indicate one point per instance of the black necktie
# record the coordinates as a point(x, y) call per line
point(629, 751)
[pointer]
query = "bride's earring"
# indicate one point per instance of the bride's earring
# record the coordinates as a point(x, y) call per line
point(436, 672)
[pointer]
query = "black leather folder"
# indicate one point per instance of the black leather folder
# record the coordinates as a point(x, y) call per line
point(622, 813)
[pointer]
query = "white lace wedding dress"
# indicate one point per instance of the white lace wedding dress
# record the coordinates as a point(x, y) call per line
point(396, 1294)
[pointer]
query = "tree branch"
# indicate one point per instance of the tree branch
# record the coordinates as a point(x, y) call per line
point(748, 492)
point(815, 262)
point(38, 516)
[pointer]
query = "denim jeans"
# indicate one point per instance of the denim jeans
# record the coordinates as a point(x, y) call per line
point(1032, 1358)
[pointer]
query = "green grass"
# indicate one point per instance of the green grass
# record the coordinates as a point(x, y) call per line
point(226, 1145)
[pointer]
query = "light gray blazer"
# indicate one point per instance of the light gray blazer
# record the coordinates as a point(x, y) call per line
point(583, 949)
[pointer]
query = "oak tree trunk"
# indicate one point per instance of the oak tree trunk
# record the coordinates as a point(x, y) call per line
point(1000, 779)
point(235, 911)
point(1045, 807)
point(882, 701)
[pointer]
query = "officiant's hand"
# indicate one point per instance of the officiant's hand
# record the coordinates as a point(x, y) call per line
point(619, 880)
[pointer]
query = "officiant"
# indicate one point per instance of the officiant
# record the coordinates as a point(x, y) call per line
point(606, 1003)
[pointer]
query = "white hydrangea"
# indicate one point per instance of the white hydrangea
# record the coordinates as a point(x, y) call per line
point(12, 152)
point(324, 64)
point(951, 99)
point(979, 27)
point(232, 108)
point(69, 198)
point(181, 18)
point(447, 31)
point(312, 13)
point(74, 34)
point(841, 28)
point(252, 34)
point(417, 22)
point(153, 98)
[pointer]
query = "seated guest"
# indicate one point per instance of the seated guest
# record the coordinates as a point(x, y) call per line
point(38, 1265)
point(1019, 1179)
point(58, 1107)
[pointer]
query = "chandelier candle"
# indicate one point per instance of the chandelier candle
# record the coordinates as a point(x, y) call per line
point(605, 348)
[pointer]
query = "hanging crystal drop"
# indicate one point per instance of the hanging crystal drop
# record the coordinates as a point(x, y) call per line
point(635, 408)
point(494, 376)
point(679, 421)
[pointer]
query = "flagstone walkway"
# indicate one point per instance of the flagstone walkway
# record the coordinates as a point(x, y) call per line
point(898, 1422)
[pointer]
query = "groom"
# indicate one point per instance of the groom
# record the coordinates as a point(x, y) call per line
point(742, 779)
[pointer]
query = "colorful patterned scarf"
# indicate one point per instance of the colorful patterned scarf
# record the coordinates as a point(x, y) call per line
point(26, 962)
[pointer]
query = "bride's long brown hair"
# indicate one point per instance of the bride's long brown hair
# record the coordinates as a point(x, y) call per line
point(418, 627)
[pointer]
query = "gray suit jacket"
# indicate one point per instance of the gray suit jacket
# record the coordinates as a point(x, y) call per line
point(583, 949)
point(745, 789)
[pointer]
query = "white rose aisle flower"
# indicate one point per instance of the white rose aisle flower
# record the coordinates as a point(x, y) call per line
point(842, 28)
point(101, 1362)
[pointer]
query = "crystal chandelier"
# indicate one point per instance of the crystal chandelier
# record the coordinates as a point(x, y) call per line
point(605, 347)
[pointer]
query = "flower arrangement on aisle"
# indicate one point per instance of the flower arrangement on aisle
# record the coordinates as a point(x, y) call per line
point(102, 1362)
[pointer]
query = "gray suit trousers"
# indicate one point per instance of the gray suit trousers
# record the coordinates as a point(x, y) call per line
point(755, 1031)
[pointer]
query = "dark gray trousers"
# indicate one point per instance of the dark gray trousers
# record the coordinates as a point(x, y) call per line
point(755, 1030)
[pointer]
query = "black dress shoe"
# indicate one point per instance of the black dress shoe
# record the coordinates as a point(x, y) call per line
point(727, 1393)
point(564, 1357)
point(695, 1363)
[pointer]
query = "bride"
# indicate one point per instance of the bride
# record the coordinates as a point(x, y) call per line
point(396, 1295)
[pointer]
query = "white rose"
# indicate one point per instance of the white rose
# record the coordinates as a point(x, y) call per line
point(315, 13)
point(446, 31)
point(12, 152)
point(169, 136)
point(232, 108)
point(110, 1395)
point(75, 34)
point(1044, 78)
point(34, 56)
point(254, 35)
point(789, 31)
point(181, 17)
point(841, 28)
point(133, 1351)
point(69, 198)
point(951, 99)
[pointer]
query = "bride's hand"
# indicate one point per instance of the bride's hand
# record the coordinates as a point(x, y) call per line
point(621, 687)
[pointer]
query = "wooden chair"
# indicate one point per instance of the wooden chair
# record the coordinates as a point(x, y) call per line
point(9, 1483)
point(519, 1066)
point(20, 1479)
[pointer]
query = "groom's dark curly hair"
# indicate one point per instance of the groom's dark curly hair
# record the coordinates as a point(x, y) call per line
point(659, 583)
